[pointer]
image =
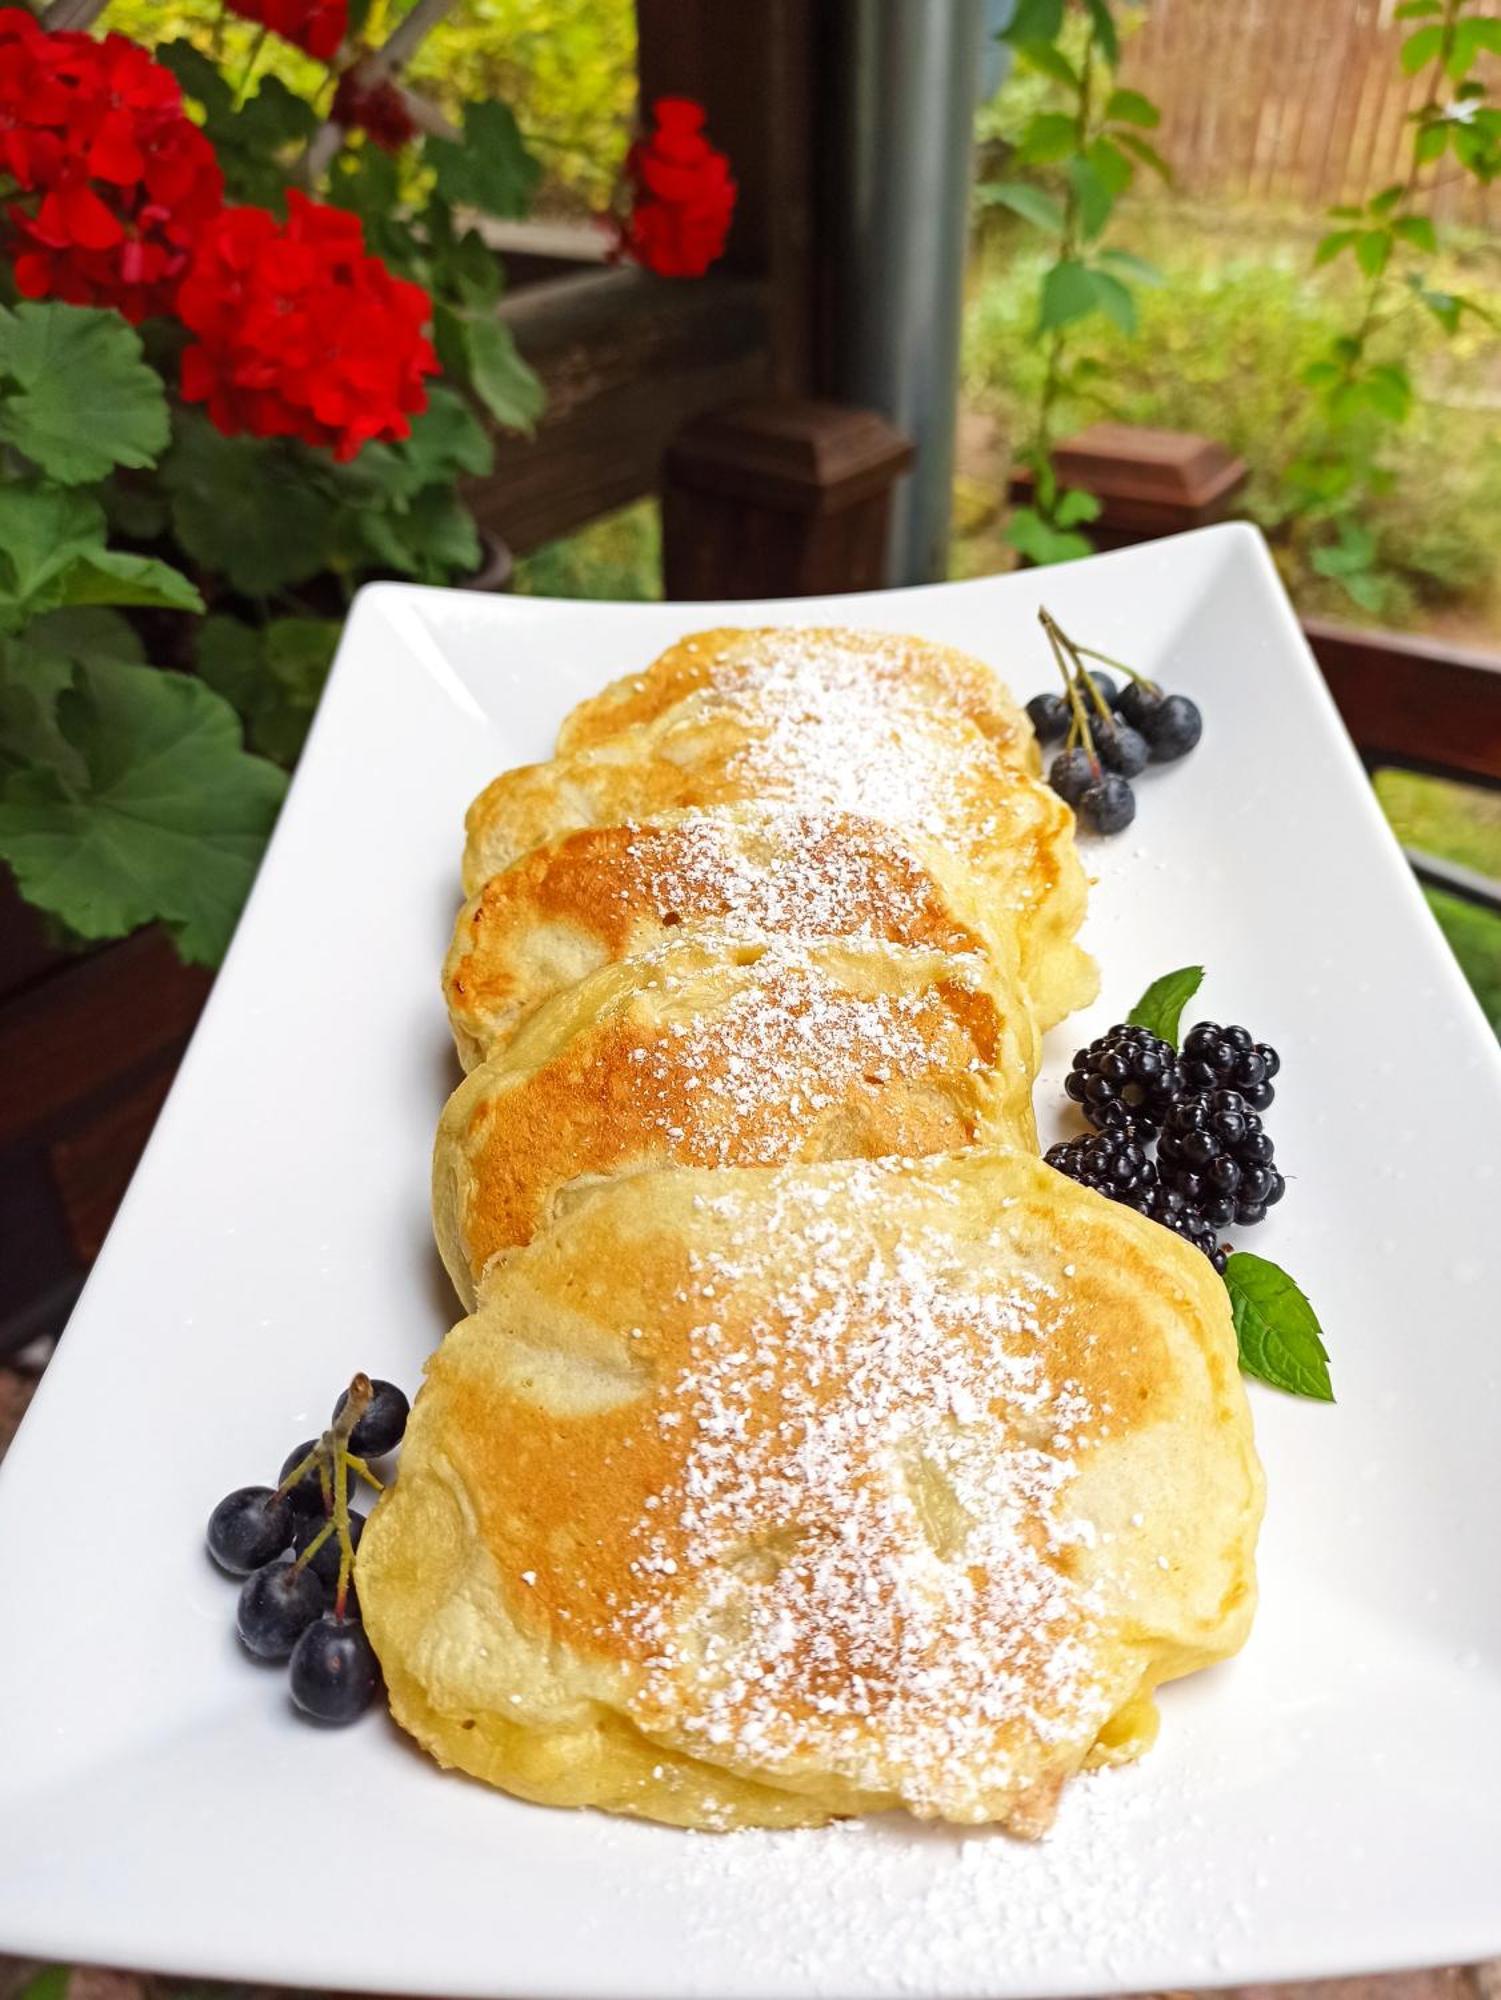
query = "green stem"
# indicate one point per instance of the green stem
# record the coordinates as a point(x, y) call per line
point(242, 88)
point(1079, 727)
point(1041, 449)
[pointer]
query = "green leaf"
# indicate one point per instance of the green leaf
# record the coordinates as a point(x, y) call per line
point(1277, 1330)
point(468, 269)
point(1044, 211)
point(1416, 230)
point(1129, 107)
point(1093, 198)
point(490, 168)
point(1421, 48)
point(1102, 24)
point(168, 823)
point(1115, 301)
point(86, 631)
point(507, 386)
point(1160, 1008)
point(1431, 142)
point(1470, 38)
point(1142, 149)
point(1047, 137)
point(253, 141)
point(109, 576)
point(1415, 10)
point(1040, 542)
point(1444, 306)
point(1130, 266)
point(1074, 506)
point(43, 530)
point(272, 675)
point(1333, 245)
point(1068, 294)
point(49, 1984)
point(247, 509)
point(1034, 21)
point(1050, 61)
point(1372, 249)
point(1389, 390)
point(1381, 205)
point(78, 397)
point(446, 441)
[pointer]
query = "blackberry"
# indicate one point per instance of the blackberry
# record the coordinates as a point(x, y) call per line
point(1216, 1058)
point(1113, 1162)
point(1127, 1077)
point(1169, 1208)
point(1214, 1152)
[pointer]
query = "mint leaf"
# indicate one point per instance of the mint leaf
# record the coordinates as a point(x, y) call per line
point(163, 815)
point(1276, 1328)
point(490, 168)
point(1160, 1008)
point(78, 397)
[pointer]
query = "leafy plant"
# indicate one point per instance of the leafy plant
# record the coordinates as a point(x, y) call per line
point(1362, 381)
point(125, 793)
point(1088, 153)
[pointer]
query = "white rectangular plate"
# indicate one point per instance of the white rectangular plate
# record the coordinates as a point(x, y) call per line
point(1331, 1801)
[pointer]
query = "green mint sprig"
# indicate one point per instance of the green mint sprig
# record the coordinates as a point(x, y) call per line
point(1160, 1008)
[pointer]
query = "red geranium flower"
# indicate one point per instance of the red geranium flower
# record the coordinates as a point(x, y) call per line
point(378, 110)
point(682, 194)
point(115, 180)
point(300, 333)
point(318, 26)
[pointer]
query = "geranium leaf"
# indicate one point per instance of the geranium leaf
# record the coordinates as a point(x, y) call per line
point(168, 822)
point(509, 389)
point(43, 529)
point(243, 508)
point(78, 399)
point(109, 576)
point(491, 168)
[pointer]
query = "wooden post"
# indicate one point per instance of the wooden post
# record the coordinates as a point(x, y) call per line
point(785, 498)
point(1148, 482)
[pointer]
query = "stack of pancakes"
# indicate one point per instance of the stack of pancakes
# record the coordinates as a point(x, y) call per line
point(812, 1447)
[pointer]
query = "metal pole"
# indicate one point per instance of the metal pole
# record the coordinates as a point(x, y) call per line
point(905, 75)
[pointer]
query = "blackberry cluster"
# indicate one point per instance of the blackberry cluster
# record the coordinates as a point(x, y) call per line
point(1216, 1058)
point(1128, 1077)
point(1112, 1162)
point(1216, 1153)
point(1215, 1164)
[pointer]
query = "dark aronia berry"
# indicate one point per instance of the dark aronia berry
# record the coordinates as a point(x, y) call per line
point(334, 1673)
point(307, 1495)
point(1105, 687)
point(1108, 806)
point(1128, 1076)
point(1172, 727)
point(384, 1423)
point(1071, 774)
point(1228, 1058)
point(1136, 701)
point(277, 1604)
point(1123, 749)
point(1049, 716)
point(325, 1564)
point(248, 1528)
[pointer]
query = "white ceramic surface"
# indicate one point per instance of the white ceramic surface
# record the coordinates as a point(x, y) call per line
point(1331, 1801)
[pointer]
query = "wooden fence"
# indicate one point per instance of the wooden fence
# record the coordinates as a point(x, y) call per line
point(1301, 101)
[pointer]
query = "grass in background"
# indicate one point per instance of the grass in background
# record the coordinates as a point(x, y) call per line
point(1458, 823)
point(1220, 350)
point(618, 557)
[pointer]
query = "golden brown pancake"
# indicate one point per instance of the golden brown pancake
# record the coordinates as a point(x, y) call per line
point(723, 1052)
point(757, 1496)
point(929, 773)
point(748, 671)
point(601, 894)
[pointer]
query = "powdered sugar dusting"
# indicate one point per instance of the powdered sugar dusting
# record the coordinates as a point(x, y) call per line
point(862, 1562)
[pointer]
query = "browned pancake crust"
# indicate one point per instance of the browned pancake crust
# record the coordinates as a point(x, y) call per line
point(738, 666)
point(728, 1054)
point(601, 894)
